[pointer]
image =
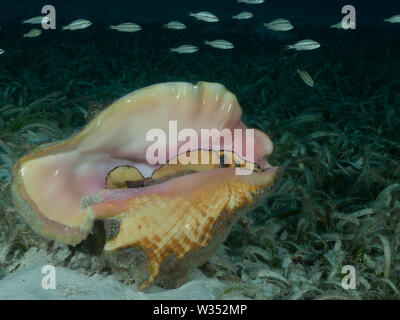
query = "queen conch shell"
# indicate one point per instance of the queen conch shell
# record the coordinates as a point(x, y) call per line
point(161, 219)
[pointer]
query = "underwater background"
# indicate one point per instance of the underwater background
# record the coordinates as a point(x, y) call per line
point(338, 200)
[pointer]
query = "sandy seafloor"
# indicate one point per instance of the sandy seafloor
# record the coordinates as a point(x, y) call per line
point(26, 283)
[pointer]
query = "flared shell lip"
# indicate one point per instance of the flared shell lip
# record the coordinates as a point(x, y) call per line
point(38, 221)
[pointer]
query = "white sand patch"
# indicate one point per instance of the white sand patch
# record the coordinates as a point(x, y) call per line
point(26, 283)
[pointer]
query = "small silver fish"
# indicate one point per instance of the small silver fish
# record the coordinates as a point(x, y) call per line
point(394, 19)
point(304, 45)
point(175, 25)
point(305, 76)
point(339, 25)
point(204, 16)
point(77, 25)
point(243, 15)
point(1, 51)
point(220, 44)
point(37, 20)
point(279, 25)
point(186, 48)
point(33, 33)
point(127, 27)
point(251, 1)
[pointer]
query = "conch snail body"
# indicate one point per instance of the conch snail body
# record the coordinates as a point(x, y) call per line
point(161, 219)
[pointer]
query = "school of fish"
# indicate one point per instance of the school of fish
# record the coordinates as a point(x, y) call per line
point(277, 25)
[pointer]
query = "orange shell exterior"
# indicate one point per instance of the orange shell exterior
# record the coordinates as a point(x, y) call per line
point(173, 225)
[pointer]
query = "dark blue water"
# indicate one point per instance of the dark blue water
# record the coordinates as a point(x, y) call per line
point(318, 12)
